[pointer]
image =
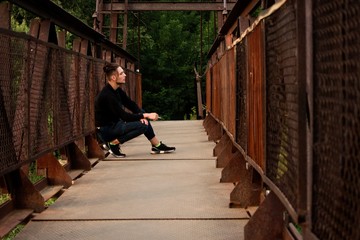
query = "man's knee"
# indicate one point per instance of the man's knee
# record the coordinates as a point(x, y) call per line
point(144, 127)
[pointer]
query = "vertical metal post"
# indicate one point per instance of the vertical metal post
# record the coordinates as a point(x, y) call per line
point(139, 42)
point(309, 129)
point(124, 43)
point(201, 42)
point(303, 56)
point(5, 15)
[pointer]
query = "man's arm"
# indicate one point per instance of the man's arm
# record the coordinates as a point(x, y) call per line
point(118, 112)
point(128, 103)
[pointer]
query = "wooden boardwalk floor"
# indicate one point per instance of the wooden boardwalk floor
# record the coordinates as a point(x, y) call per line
point(144, 196)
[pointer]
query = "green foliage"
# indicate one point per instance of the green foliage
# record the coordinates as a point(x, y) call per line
point(50, 202)
point(33, 176)
point(19, 26)
point(169, 49)
point(4, 197)
point(11, 235)
point(81, 9)
point(20, 19)
point(167, 61)
point(256, 12)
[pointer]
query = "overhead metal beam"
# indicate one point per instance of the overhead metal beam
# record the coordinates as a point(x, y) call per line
point(48, 10)
point(168, 6)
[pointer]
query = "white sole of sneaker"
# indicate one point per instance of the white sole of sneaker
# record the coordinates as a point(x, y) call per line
point(116, 156)
point(162, 152)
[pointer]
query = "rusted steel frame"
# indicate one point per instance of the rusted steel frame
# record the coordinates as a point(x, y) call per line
point(213, 128)
point(40, 30)
point(5, 23)
point(125, 24)
point(234, 170)
point(225, 155)
point(303, 56)
point(232, 91)
point(199, 97)
point(49, 10)
point(113, 27)
point(267, 181)
point(208, 90)
point(274, 188)
point(77, 158)
point(23, 192)
point(55, 174)
point(227, 90)
point(14, 118)
point(138, 90)
point(248, 190)
point(207, 121)
point(94, 150)
point(74, 81)
point(310, 128)
point(166, 6)
point(267, 222)
point(238, 8)
point(221, 144)
point(6, 116)
point(5, 15)
point(255, 93)
point(28, 67)
point(216, 90)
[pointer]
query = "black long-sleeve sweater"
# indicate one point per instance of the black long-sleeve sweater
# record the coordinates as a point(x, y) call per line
point(110, 107)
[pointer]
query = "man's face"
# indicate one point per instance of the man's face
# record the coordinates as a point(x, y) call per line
point(120, 76)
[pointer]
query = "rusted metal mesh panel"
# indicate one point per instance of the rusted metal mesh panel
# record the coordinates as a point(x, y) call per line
point(231, 91)
point(99, 77)
point(64, 112)
point(336, 165)
point(46, 98)
point(281, 101)
point(224, 90)
point(13, 111)
point(86, 117)
point(241, 113)
point(131, 84)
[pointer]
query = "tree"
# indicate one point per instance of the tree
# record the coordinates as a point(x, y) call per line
point(167, 62)
point(170, 47)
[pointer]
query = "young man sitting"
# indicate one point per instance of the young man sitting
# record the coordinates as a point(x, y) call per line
point(114, 123)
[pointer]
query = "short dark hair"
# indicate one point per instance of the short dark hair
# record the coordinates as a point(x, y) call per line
point(110, 68)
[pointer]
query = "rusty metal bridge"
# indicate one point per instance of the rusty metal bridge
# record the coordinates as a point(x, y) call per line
point(277, 155)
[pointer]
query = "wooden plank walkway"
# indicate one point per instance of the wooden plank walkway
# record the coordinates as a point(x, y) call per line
point(144, 196)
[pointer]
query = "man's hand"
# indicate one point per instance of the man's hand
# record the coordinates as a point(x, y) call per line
point(144, 121)
point(151, 116)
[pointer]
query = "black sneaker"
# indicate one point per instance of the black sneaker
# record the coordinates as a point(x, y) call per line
point(105, 147)
point(162, 149)
point(116, 151)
